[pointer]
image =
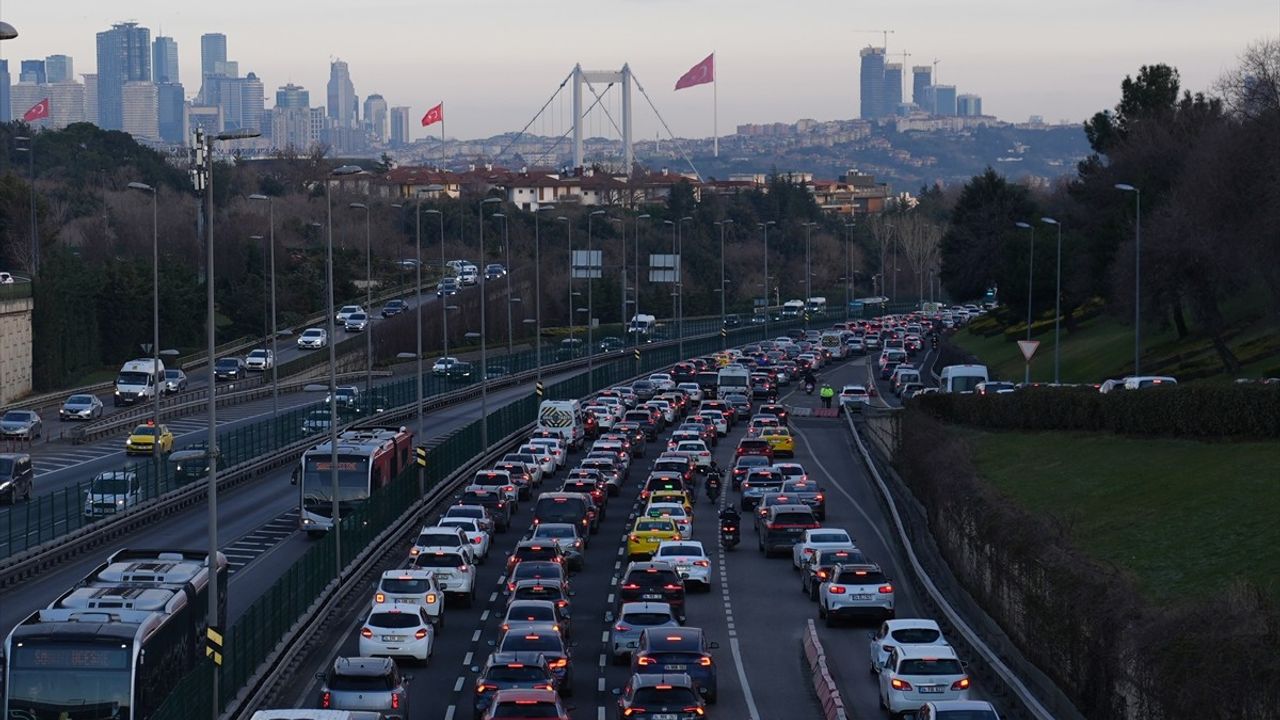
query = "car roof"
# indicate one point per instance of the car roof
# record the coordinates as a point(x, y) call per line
point(363, 666)
point(961, 705)
point(675, 638)
point(407, 573)
point(644, 607)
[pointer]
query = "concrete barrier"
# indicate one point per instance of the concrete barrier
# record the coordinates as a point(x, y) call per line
point(824, 687)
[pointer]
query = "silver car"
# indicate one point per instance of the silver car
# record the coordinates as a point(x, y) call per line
point(81, 407)
point(356, 322)
point(111, 492)
point(633, 619)
point(21, 424)
point(174, 380)
point(358, 683)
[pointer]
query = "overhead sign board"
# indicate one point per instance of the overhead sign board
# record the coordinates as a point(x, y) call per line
point(664, 268)
point(586, 264)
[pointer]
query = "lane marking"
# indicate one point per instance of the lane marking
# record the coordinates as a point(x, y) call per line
point(600, 686)
point(604, 635)
point(458, 685)
point(484, 616)
point(449, 714)
point(742, 676)
point(475, 637)
point(856, 505)
point(466, 661)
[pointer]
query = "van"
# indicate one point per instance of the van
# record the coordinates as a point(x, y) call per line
point(139, 380)
point(733, 378)
point(564, 418)
point(16, 477)
point(961, 378)
point(574, 508)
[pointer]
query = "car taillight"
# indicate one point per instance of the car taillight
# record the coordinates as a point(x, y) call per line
point(395, 701)
point(413, 551)
point(670, 586)
point(836, 589)
point(628, 712)
point(482, 688)
point(463, 567)
point(704, 661)
point(702, 563)
point(366, 633)
point(646, 661)
point(422, 633)
point(326, 699)
point(559, 663)
point(695, 710)
point(822, 574)
point(477, 540)
point(562, 603)
point(621, 628)
point(899, 684)
point(379, 598)
point(509, 488)
point(886, 589)
point(633, 538)
point(961, 684)
point(631, 586)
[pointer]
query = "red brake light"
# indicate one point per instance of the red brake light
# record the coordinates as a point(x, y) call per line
point(422, 633)
point(631, 586)
point(395, 701)
point(704, 661)
point(646, 661)
point(886, 589)
point(366, 633)
point(559, 663)
point(899, 684)
point(326, 699)
point(836, 589)
point(961, 684)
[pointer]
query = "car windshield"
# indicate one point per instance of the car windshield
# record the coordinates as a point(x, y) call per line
point(829, 537)
point(437, 560)
point(517, 674)
point(140, 430)
point(664, 696)
point(965, 715)
point(916, 636)
point(930, 666)
point(564, 531)
point(862, 577)
point(654, 526)
point(80, 400)
point(397, 620)
point(110, 486)
point(406, 586)
point(312, 333)
point(360, 683)
point(680, 550)
point(258, 354)
point(530, 612)
point(646, 618)
point(444, 538)
point(16, 416)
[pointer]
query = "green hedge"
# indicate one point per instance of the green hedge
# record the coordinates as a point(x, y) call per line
point(1213, 411)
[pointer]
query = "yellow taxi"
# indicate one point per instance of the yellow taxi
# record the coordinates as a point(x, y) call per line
point(780, 439)
point(672, 496)
point(143, 438)
point(648, 533)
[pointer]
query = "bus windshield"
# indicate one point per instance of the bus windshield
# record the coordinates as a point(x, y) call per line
point(317, 479)
point(87, 681)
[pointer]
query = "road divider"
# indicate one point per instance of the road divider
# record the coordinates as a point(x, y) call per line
point(833, 707)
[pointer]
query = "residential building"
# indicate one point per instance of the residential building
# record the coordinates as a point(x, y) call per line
point(24, 96)
point(33, 71)
point(5, 84)
point(59, 69)
point(291, 128)
point(90, 97)
point(213, 50)
point(140, 111)
point(164, 60)
point(871, 85)
point(892, 88)
point(342, 95)
point(171, 112)
point(969, 105)
point(124, 56)
point(944, 100)
point(399, 126)
point(921, 80)
point(319, 121)
point(292, 96)
point(375, 117)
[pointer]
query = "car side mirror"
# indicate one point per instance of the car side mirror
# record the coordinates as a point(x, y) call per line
point(475, 668)
point(406, 678)
point(573, 593)
point(319, 676)
point(493, 643)
point(713, 645)
point(616, 691)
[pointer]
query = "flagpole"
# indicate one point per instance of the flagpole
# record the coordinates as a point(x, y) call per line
point(441, 167)
point(715, 107)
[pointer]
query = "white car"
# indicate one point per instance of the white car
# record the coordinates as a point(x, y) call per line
point(566, 537)
point(546, 461)
point(675, 511)
point(945, 709)
point(662, 381)
point(474, 512)
point(434, 537)
point(718, 419)
point(605, 416)
point(259, 359)
point(454, 571)
point(347, 311)
point(693, 390)
point(397, 631)
point(531, 461)
point(697, 450)
point(917, 674)
point(441, 366)
point(6, 278)
point(476, 535)
point(409, 588)
point(850, 394)
point(855, 591)
point(821, 539)
point(553, 447)
point(312, 339)
point(690, 559)
point(497, 481)
point(469, 274)
point(900, 632)
point(667, 409)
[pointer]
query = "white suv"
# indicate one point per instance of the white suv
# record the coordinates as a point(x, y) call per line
point(897, 633)
point(917, 674)
point(854, 591)
point(411, 588)
point(453, 569)
point(313, 339)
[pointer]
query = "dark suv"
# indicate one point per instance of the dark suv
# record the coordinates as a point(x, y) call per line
point(499, 508)
point(684, 650)
point(651, 696)
point(359, 683)
point(653, 582)
point(784, 526)
point(510, 670)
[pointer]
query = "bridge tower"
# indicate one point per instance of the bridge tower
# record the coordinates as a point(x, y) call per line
point(602, 76)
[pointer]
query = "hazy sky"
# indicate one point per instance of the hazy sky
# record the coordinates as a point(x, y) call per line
point(495, 62)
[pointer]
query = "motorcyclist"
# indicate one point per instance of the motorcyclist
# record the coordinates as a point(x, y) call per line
point(809, 378)
point(827, 393)
point(729, 520)
point(714, 476)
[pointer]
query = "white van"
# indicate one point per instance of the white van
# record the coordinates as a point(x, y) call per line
point(641, 324)
point(833, 343)
point(792, 308)
point(733, 378)
point(564, 418)
point(962, 378)
point(139, 380)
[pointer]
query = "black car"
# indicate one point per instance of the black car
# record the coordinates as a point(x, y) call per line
point(732, 321)
point(460, 371)
point(394, 307)
point(817, 569)
point(228, 368)
point(498, 507)
point(511, 670)
point(678, 650)
point(646, 697)
point(547, 641)
point(653, 582)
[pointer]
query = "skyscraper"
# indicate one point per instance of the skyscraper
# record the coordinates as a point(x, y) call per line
point(342, 95)
point(33, 71)
point(872, 98)
point(251, 103)
point(139, 108)
point(171, 113)
point(969, 105)
point(213, 50)
point(124, 55)
point(291, 128)
point(59, 69)
point(293, 97)
point(90, 97)
point(375, 117)
point(921, 78)
point(66, 103)
point(892, 88)
point(25, 95)
point(164, 60)
point(399, 126)
point(944, 99)
point(5, 82)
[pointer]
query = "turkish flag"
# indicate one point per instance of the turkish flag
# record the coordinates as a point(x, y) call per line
point(700, 74)
point(37, 111)
point(434, 115)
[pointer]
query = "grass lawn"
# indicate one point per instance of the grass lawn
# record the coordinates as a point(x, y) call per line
point(1184, 517)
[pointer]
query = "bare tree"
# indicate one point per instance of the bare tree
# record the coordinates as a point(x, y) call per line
point(1252, 89)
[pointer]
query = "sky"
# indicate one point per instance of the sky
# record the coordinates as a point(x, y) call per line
point(495, 62)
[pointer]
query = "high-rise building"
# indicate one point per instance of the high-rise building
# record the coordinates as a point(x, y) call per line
point(140, 110)
point(292, 96)
point(24, 96)
point(375, 117)
point(229, 92)
point(921, 78)
point(124, 56)
point(969, 105)
point(33, 71)
point(66, 103)
point(171, 113)
point(213, 50)
point(342, 95)
point(871, 84)
point(90, 97)
point(164, 60)
point(59, 69)
point(251, 103)
point(944, 100)
point(399, 126)
point(5, 83)
point(892, 88)
point(319, 122)
point(291, 128)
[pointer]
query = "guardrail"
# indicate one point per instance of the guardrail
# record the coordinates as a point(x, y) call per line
point(833, 707)
point(19, 290)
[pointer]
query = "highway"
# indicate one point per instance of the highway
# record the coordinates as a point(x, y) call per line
point(754, 609)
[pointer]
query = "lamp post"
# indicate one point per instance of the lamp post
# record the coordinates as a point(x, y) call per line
point(680, 281)
point(417, 245)
point(808, 269)
point(30, 150)
point(157, 377)
point(568, 229)
point(507, 253)
point(764, 226)
point(724, 337)
point(275, 356)
point(622, 286)
point(636, 312)
point(444, 316)
point(484, 340)
point(537, 285)
point(1057, 304)
point(1031, 266)
point(1137, 276)
point(848, 269)
point(7, 31)
point(591, 308)
point(368, 301)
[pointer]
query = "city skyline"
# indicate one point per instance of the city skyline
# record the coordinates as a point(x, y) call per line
point(981, 51)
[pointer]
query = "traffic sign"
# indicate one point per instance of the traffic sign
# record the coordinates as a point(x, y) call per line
point(637, 353)
point(1028, 348)
point(421, 453)
point(213, 644)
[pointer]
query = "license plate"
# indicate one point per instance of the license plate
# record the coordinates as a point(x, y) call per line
point(651, 596)
point(683, 568)
point(393, 638)
point(861, 597)
point(676, 668)
point(931, 688)
point(664, 716)
point(405, 600)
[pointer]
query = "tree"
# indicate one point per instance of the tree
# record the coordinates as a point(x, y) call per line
point(1252, 90)
point(1151, 96)
point(981, 221)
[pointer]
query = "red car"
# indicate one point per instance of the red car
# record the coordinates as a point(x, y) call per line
point(755, 446)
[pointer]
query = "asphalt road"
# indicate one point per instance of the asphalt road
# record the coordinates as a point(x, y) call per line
point(754, 610)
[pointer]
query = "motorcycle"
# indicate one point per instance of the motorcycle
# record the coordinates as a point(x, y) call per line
point(713, 487)
point(729, 536)
point(808, 388)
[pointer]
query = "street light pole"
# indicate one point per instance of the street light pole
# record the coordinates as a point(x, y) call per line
point(537, 285)
point(724, 338)
point(1137, 277)
point(30, 150)
point(848, 269)
point(568, 229)
point(275, 355)
point(591, 309)
point(157, 377)
point(764, 226)
point(1057, 304)
point(808, 269)
point(1031, 266)
point(622, 286)
point(484, 339)
point(368, 302)
point(680, 281)
point(507, 274)
point(444, 300)
point(636, 312)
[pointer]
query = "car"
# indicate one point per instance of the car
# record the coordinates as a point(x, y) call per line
point(6, 278)
point(755, 446)
point(362, 683)
point(435, 537)
point(781, 440)
point(916, 674)
point(783, 525)
point(697, 450)
point(653, 581)
point(756, 484)
point(510, 671)
point(854, 397)
point(957, 710)
point(856, 590)
point(536, 550)
point(316, 421)
point(313, 339)
point(454, 571)
point(900, 632)
point(813, 541)
point(1141, 382)
point(911, 390)
point(570, 348)
point(497, 481)
point(551, 590)
point(441, 365)
point(995, 387)
point(548, 573)
point(742, 465)
point(817, 568)
point(674, 497)
point(397, 631)
point(806, 492)
point(175, 381)
point(547, 640)
point(476, 535)
point(693, 390)
point(564, 535)
point(526, 705)
point(259, 359)
point(678, 650)
point(143, 438)
point(403, 587)
point(675, 511)
point(777, 410)
point(356, 322)
point(633, 619)
point(480, 514)
point(522, 614)
point(566, 507)
point(394, 307)
point(81, 407)
point(660, 697)
point(21, 425)
point(228, 368)
point(493, 271)
point(447, 286)
point(347, 311)
point(690, 560)
point(648, 533)
point(111, 492)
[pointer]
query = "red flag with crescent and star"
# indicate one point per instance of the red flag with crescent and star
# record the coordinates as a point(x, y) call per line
point(434, 115)
point(700, 74)
point(37, 111)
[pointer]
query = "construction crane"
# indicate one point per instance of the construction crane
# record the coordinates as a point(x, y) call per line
point(885, 33)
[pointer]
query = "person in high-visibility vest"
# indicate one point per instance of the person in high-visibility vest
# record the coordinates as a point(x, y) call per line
point(827, 393)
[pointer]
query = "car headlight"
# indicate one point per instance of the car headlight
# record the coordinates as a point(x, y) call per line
point(5, 484)
point(120, 502)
